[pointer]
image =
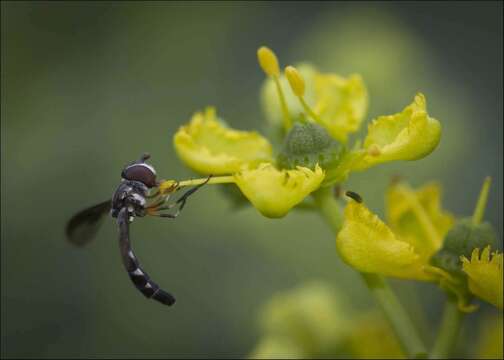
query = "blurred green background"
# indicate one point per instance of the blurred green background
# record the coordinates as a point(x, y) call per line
point(89, 86)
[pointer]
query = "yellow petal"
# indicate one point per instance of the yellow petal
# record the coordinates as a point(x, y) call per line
point(416, 216)
point(409, 135)
point(340, 103)
point(369, 245)
point(485, 275)
point(274, 192)
point(209, 147)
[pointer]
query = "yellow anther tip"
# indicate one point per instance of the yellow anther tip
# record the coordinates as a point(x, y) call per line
point(295, 80)
point(268, 61)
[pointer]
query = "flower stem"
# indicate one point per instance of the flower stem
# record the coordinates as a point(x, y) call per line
point(448, 331)
point(308, 110)
point(329, 208)
point(482, 201)
point(384, 295)
point(396, 315)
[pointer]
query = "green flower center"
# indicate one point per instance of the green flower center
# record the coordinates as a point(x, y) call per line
point(308, 144)
point(461, 240)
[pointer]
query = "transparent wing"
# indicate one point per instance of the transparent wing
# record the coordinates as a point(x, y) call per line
point(83, 226)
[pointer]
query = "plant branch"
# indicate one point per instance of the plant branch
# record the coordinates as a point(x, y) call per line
point(449, 330)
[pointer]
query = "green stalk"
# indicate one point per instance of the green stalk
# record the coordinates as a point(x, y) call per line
point(448, 331)
point(384, 295)
point(397, 316)
point(479, 211)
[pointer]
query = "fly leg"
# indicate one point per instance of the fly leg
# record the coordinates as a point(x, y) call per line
point(182, 200)
point(154, 210)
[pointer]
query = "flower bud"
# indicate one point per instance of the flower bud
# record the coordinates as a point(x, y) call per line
point(461, 240)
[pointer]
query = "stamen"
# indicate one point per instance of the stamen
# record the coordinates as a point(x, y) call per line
point(283, 104)
point(297, 84)
point(482, 201)
point(269, 64)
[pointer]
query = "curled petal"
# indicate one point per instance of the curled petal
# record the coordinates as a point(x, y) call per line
point(207, 146)
point(369, 245)
point(274, 192)
point(417, 217)
point(340, 103)
point(409, 135)
point(485, 275)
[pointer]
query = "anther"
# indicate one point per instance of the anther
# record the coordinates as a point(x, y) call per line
point(296, 81)
point(268, 61)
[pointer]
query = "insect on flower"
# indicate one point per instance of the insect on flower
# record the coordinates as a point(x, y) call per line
point(137, 195)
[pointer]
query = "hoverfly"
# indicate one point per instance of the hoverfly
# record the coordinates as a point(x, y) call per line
point(137, 195)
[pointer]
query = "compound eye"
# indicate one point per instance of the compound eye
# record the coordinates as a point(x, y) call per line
point(142, 173)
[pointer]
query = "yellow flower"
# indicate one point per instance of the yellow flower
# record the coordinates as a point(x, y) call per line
point(416, 217)
point(418, 244)
point(274, 192)
point(485, 275)
point(311, 316)
point(312, 322)
point(207, 146)
point(418, 226)
point(409, 135)
point(317, 116)
point(339, 103)
point(368, 245)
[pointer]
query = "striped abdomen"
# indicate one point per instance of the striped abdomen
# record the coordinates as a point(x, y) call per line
point(139, 277)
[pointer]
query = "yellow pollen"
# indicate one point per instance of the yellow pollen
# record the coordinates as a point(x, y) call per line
point(296, 81)
point(268, 61)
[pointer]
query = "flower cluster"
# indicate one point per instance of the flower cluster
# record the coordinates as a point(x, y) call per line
point(315, 119)
point(423, 242)
point(310, 149)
